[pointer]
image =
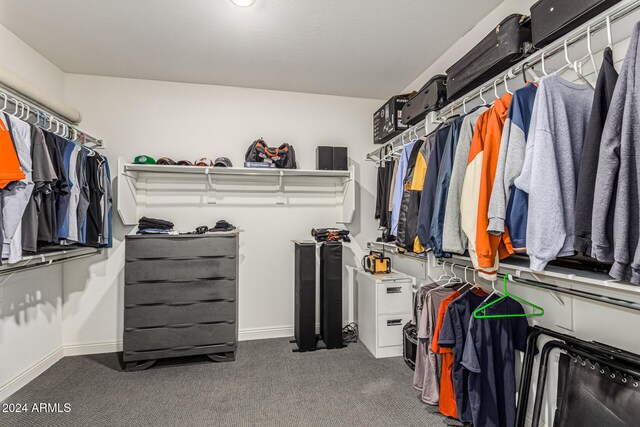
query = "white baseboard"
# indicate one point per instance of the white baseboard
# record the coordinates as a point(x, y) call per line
point(80, 349)
point(26, 376)
point(249, 334)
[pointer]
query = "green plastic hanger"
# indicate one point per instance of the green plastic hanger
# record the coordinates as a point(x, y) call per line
point(479, 313)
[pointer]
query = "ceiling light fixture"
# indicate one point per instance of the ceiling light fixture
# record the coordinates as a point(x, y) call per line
point(243, 3)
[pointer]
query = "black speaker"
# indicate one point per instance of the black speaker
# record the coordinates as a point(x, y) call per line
point(305, 296)
point(324, 158)
point(331, 294)
point(340, 162)
point(332, 158)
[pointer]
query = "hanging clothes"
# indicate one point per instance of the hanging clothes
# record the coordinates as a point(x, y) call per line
point(16, 198)
point(453, 334)
point(432, 363)
point(44, 176)
point(454, 240)
point(616, 212)
point(551, 167)
point(398, 186)
point(508, 205)
point(489, 356)
point(585, 193)
point(425, 212)
point(417, 186)
point(408, 208)
point(442, 189)
point(447, 403)
point(47, 220)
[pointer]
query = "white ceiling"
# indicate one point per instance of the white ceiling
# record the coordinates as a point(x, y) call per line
point(361, 48)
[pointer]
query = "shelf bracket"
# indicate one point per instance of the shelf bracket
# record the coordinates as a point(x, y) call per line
point(280, 189)
point(211, 188)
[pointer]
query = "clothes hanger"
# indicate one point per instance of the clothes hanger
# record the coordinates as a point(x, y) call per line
point(593, 59)
point(479, 313)
point(4, 107)
point(484, 101)
point(464, 105)
point(506, 87)
point(572, 65)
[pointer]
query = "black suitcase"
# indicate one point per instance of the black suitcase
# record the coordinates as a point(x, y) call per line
point(552, 19)
point(410, 345)
point(506, 44)
point(431, 97)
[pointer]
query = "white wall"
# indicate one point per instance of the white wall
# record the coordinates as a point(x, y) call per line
point(188, 121)
point(30, 302)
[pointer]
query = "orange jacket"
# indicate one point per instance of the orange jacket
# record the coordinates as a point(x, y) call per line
point(484, 248)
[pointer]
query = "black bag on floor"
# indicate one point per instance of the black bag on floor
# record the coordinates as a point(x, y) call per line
point(509, 42)
point(410, 345)
point(552, 19)
point(431, 97)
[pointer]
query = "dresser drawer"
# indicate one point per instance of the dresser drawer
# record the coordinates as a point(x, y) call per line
point(180, 269)
point(394, 297)
point(175, 313)
point(390, 329)
point(178, 336)
point(144, 247)
point(190, 291)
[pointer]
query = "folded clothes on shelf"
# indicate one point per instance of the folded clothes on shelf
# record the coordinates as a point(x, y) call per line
point(330, 234)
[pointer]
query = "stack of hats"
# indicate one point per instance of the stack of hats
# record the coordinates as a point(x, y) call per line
point(221, 162)
point(223, 225)
point(154, 226)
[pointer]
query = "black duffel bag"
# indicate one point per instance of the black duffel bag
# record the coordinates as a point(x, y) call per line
point(509, 42)
point(283, 157)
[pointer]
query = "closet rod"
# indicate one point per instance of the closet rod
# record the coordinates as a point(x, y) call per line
point(44, 262)
point(375, 155)
point(554, 288)
point(536, 58)
point(32, 112)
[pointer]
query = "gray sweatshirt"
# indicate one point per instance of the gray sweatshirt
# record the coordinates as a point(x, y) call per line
point(453, 238)
point(552, 158)
point(616, 217)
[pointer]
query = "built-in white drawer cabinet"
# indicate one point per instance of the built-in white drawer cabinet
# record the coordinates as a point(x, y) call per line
point(384, 307)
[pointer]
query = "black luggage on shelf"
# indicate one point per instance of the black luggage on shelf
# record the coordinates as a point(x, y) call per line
point(431, 97)
point(552, 19)
point(506, 44)
point(387, 121)
point(410, 345)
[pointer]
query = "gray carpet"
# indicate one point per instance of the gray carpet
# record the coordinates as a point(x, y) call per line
point(267, 385)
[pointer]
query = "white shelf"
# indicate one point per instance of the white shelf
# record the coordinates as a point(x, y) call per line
point(519, 268)
point(48, 258)
point(239, 172)
point(141, 186)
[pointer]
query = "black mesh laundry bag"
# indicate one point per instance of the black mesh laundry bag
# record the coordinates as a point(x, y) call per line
point(591, 395)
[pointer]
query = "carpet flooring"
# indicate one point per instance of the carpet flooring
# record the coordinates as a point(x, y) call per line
point(268, 385)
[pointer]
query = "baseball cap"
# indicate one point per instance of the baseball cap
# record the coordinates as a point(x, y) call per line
point(185, 163)
point(223, 162)
point(203, 162)
point(144, 160)
point(165, 161)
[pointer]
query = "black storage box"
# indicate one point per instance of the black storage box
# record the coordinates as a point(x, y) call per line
point(509, 42)
point(305, 296)
point(431, 97)
point(331, 158)
point(387, 121)
point(552, 19)
point(409, 345)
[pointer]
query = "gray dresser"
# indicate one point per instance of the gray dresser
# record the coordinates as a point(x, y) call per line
point(180, 297)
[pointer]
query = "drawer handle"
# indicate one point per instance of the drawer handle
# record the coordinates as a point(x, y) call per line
point(394, 322)
point(394, 290)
